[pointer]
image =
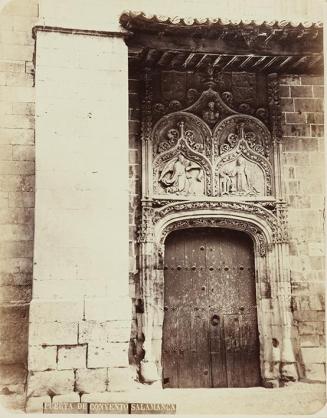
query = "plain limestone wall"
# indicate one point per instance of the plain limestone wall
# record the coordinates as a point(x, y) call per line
point(16, 189)
point(80, 315)
point(303, 177)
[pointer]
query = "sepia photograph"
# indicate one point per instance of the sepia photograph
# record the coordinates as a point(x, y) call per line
point(162, 207)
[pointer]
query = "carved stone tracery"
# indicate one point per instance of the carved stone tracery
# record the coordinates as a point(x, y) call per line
point(229, 152)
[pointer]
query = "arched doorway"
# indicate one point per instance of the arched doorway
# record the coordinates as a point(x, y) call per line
point(210, 331)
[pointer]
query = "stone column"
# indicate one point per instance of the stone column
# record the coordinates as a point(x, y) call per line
point(80, 315)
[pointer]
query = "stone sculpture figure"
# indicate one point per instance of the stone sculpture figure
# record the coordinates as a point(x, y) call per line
point(236, 180)
point(211, 115)
point(179, 175)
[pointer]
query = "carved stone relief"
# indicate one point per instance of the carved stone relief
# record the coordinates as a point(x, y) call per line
point(232, 159)
point(182, 176)
point(209, 160)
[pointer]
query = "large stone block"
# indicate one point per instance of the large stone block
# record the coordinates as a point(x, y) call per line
point(120, 379)
point(308, 105)
point(120, 331)
point(21, 199)
point(23, 152)
point(53, 333)
point(57, 382)
point(301, 91)
point(292, 117)
point(313, 355)
point(309, 341)
point(312, 328)
point(317, 131)
point(312, 80)
point(107, 355)
point(34, 404)
point(315, 118)
point(290, 80)
point(94, 332)
point(296, 130)
point(72, 357)
point(47, 310)
point(91, 380)
point(287, 104)
point(318, 91)
point(109, 308)
point(12, 374)
point(315, 372)
point(42, 358)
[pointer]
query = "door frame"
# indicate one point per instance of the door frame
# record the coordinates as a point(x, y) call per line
point(272, 278)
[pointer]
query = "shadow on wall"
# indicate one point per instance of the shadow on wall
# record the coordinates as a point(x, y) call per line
point(17, 17)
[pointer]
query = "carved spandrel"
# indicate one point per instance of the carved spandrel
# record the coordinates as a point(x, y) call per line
point(227, 134)
point(166, 133)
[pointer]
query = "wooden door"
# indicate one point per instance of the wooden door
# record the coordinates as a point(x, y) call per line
point(210, 332)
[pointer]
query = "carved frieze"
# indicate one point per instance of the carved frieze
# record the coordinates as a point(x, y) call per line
point(242, 207)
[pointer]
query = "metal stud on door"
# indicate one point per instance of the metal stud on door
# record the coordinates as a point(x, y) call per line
point(210, 335)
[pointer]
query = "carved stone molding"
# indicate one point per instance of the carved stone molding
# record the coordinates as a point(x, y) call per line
point(145, 231)
point(242, 207)
point(255, 232)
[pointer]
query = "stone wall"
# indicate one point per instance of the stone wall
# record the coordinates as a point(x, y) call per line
point(16, 189)
point(80, 315)
point(303, 177)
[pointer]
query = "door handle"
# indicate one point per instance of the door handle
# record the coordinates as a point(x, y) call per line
point(215, 320)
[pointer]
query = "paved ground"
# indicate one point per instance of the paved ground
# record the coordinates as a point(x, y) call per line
point(296, 399)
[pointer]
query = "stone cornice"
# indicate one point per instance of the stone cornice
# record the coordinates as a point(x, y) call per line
point(72, 31)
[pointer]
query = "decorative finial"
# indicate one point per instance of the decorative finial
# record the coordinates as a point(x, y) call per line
point(241, 131)
point(210, 83)
point(181, 125)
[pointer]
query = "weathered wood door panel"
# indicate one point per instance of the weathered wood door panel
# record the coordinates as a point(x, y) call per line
point(210, 333)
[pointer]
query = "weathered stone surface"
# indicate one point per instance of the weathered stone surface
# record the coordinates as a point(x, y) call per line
point(68, 397)
point(42, 357)
point(311, 328)
point(309, 341)
point(107, 355)
point(313, 355)
point(72, 357)
point(56, 310)
point(104, 332)
point(12, 374)
point(104, 309)
point(308, 105)
point(315, 372)
point(301, 91)
point(120, 379)
point(53, 333)
point(91, 380)
point(34, 404)
point(94, 331)
point(56, 382)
